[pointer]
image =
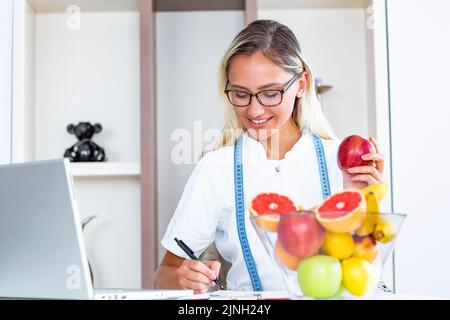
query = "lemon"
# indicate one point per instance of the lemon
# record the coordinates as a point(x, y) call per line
point(357, 276)
point(338, 245)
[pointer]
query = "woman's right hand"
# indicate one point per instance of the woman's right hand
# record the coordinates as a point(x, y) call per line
point(197, 276)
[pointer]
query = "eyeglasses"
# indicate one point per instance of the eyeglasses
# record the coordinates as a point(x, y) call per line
point(267, 98)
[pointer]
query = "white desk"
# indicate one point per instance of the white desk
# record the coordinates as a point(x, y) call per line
point(278, 295)
point(390, 296)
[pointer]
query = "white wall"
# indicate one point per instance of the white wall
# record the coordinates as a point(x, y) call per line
point(187, 58)
point(113, 240)
point(419, 54)
point(6, 25)
point(333, 42)
point(23, 90)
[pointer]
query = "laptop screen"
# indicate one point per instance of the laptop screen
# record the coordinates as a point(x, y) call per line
point(41, 246)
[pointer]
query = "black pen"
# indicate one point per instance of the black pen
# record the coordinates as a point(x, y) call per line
point(191, 255)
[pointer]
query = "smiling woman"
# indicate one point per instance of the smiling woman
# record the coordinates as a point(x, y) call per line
point(276, 139)
point(269, 57)
point(270, 117)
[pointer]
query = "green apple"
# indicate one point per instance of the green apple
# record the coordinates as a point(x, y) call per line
point(320, 276)
point(340, 292)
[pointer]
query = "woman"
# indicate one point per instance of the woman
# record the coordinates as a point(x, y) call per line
point(275, 131)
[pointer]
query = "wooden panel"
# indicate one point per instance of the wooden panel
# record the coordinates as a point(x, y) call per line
point(251, 11)
point(148, 145)
point(196, 5)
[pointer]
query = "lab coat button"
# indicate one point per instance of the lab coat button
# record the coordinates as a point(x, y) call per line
point(277, 168)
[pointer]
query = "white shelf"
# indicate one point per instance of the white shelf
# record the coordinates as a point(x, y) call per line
point(47, 6)
point(105, 169)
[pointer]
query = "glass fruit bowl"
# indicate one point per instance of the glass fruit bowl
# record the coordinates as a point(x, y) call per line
point(329, 255)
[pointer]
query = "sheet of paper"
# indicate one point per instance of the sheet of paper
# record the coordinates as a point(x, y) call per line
point(239, 295)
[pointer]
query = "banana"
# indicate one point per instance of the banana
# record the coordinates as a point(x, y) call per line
point(373, 214)
point(373, 194)
point(385, 231)
point(379, 189)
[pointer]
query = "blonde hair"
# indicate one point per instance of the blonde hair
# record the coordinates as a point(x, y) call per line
point(278, 43)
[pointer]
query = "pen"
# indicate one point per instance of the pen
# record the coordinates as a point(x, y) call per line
point(191, 255)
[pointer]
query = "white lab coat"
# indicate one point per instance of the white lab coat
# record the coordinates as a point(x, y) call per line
point(206, 211)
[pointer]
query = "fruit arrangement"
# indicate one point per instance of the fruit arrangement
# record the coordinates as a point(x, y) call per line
point(332, 249)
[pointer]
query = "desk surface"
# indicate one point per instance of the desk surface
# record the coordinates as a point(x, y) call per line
point(390, 296)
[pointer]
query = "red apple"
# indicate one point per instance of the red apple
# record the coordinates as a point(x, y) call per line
point(300, 234)
point(351, 150)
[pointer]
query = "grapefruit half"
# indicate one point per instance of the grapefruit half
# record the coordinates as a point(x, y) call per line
point(267, 207)
point(343, 212)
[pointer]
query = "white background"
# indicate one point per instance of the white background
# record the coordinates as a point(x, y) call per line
point(419, 53)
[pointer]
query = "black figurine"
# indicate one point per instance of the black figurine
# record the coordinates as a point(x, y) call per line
point(85, 150)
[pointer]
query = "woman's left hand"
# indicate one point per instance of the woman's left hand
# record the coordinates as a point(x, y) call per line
point(360, 177)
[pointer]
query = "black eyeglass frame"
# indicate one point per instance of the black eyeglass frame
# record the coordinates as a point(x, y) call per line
point(256, 94)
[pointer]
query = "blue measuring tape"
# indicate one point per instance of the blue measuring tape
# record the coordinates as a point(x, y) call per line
point(240, 205)
point(240, 219)
point(323, 170)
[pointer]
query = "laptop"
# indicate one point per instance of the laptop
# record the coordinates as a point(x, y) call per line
point(42, 252)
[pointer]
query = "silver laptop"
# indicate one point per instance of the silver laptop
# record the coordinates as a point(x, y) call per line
point(42, 252)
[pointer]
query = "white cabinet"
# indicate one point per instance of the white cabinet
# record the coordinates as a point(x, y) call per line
point(82, 63)
point(419, 63)
point(6, 18)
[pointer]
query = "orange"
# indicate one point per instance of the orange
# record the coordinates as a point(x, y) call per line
point(285, 258)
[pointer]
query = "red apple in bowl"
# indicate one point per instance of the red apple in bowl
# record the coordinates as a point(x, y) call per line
point(300, 234)
point(350, 151)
